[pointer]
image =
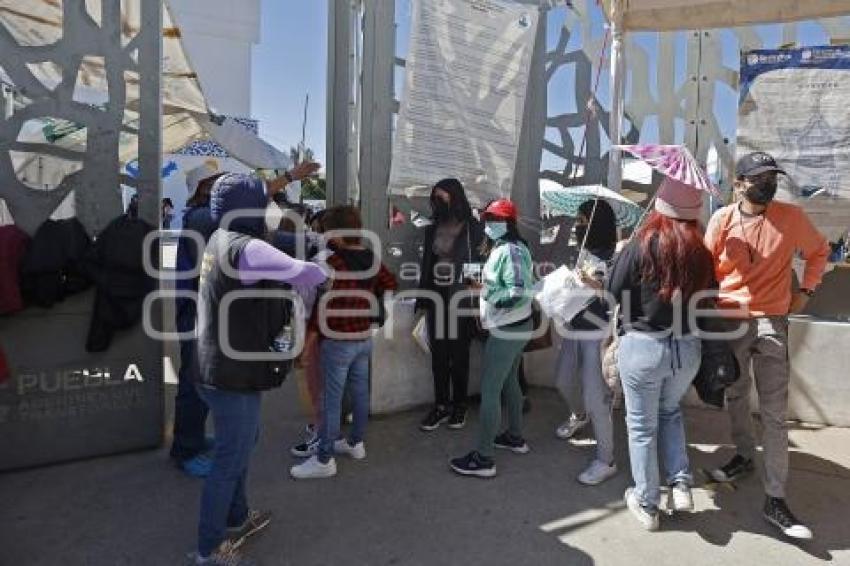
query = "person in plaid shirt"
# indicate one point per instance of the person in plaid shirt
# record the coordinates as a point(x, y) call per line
point(345, 317)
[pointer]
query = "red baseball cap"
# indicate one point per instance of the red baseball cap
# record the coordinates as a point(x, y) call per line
point(502, 209)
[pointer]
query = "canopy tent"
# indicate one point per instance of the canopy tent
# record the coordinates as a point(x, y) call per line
point(186, 114)
point(674, 15)
point(670, 15)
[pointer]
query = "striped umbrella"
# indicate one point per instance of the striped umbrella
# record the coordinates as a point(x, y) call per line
point(559, 200)
point(674, 161)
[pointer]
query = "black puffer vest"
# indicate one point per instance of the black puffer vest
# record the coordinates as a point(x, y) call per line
point(248, 327)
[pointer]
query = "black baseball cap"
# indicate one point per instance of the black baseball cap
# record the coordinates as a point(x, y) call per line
point(756, 163)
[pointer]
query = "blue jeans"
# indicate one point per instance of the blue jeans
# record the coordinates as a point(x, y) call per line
point(343, 361)
point(656, 373)
point(236, 416)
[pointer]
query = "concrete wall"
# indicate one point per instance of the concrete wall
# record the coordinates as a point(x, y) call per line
point(65, 403)
point(820, 371)
point(401, 370)
point(819, 350)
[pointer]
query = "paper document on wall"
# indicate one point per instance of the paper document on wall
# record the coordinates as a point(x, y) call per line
point(794, 105)
point(464, 93)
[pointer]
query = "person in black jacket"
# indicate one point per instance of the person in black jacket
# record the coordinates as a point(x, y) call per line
point(190, 446)
point(452, 241)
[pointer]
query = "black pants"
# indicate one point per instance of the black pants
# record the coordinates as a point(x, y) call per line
point(449, 355)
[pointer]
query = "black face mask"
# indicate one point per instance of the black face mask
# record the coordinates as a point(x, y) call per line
point(762, 192)
point(441, 208)
point(581, 232)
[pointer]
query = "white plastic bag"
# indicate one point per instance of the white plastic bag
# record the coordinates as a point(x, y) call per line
point(562, 295)
point(420, 334)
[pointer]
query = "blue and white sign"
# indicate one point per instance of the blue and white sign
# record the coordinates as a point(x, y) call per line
point(795, 105)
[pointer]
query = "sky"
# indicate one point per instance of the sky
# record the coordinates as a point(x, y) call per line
point(291, 61)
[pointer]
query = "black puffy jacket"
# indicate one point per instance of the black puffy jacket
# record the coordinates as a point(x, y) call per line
point(115, 265)
point(53, 267)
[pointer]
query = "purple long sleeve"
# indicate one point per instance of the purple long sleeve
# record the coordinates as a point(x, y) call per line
point(260, 260)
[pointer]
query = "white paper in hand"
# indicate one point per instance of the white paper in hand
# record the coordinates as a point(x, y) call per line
point(562, 295)
point(420, 335)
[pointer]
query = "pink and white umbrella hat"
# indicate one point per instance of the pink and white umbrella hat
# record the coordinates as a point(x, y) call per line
point(674, 161)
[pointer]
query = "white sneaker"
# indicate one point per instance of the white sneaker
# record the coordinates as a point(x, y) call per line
point(680, 498)
point(597, 472)
point(358, 451)
point(571, 426)
point(313, 469)
point(645, 517)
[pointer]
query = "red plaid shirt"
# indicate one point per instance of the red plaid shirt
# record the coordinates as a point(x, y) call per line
point(336, 299)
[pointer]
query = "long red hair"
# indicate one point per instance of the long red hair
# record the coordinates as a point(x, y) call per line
point(674, 256)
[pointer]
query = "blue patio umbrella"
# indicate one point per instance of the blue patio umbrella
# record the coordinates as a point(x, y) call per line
point(556, 199)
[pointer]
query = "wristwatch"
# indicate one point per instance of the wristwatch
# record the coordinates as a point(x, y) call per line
point(807, 292)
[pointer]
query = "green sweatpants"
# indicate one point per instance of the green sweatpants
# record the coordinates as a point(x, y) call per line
point(502, 355)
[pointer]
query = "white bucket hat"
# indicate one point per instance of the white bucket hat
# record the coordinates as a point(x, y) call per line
point(202, 172)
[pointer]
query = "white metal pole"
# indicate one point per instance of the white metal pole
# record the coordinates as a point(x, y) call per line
point(618, 94)
point(9, 98)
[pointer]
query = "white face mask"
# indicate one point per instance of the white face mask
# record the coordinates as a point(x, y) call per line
point(495, 230)
point(316, 239)
point(273, 216)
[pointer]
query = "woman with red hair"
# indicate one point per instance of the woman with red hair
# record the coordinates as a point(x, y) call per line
point(656, 280)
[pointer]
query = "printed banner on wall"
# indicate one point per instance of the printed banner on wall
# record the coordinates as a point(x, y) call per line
point(464, 94)
point(795, 105)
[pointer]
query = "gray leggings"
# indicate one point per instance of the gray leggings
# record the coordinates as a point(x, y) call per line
point(580, 382)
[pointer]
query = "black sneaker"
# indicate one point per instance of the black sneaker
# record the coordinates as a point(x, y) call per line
point(457, 420)
point(474, 464)
point(310, 446)
point(434, 419)
point(737, 468)
point(776, 512)
point(516, 444)
point(255, 522)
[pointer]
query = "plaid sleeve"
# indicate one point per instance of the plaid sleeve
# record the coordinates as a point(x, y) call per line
point(386, 281)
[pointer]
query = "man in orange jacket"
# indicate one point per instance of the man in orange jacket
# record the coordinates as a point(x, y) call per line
point(754, 242)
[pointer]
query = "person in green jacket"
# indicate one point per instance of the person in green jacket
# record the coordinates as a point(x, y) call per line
point(506, 298)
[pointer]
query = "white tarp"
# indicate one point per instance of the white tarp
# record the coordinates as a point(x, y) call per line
point(667, 15)
point(185, 110)
point(461, 113)
point(794, 105)
point(245, 145)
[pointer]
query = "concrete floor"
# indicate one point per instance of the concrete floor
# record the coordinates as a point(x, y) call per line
point(403, 506)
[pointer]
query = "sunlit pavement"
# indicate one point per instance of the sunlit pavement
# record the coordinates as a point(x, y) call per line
point(403, 506)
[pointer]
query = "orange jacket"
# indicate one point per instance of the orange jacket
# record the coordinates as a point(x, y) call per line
point(753, 257)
